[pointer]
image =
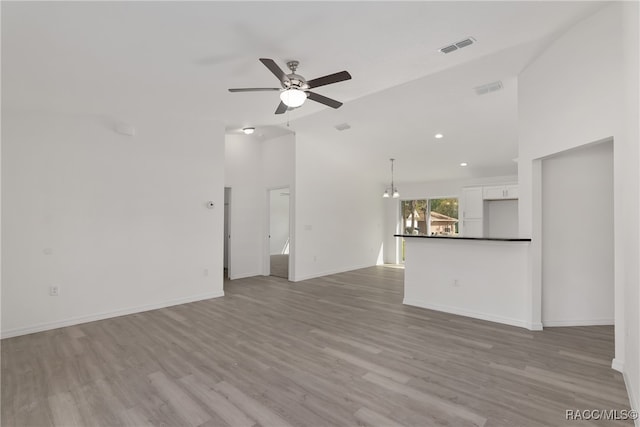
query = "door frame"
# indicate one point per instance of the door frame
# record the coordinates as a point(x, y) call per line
point(226, 220)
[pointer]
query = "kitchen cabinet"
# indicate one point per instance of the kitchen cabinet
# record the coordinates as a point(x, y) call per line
point(472, 203)
point(473, 227)
point(500, 192)
point(472, 212)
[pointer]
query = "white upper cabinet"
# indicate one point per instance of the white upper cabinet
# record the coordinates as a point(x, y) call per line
point(512, 191)
point(499, 192)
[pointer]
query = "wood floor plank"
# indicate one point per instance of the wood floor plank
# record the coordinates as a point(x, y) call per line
point(181, 402)
point(351, 342)
point(373, 419)
point(135, 417)
point(452, 410)
point(255, 409)
point(389, 373)
point(65, 410)
point(340, 350)
point(233, 416)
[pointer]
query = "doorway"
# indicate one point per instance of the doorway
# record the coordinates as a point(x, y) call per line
point(577, 237)
point(279, 238)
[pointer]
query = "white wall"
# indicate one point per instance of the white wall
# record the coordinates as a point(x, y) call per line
point(577, 237)
point(278, 221)
point(339, 211)
point(481, 279)
point(252, 167)
point(278, 158)
point(630, 298)
point(574, 94)
point(556, 113)
point(118, 222)
point(426, 190)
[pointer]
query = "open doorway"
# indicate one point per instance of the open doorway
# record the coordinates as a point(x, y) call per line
point(279, 238)
point(577, 231)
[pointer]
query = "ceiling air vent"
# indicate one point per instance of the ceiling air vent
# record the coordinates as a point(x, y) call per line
point(464, 43)
point(459, 45)
point(343, 126)
point(489, 87)
point(448, 49)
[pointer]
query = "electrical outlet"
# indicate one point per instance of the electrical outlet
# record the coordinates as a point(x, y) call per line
point(54, 291)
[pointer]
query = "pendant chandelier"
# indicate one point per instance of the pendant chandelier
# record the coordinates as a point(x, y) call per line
point(391, 191)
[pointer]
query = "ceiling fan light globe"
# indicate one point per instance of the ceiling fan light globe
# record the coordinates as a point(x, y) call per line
point(396, 194)
point(293, 97)
point(386, 194)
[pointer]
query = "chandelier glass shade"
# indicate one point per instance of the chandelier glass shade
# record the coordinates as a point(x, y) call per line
point(293, 97)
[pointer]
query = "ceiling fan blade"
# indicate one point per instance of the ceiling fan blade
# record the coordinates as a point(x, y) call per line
point(277, 71)
point(281, 108)
point(327, 80)
point(324, 100)
point(255, 89)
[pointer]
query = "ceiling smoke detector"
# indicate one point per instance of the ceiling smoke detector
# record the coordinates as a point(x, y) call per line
point(343, 126)
point(459, 45)
point(489, 87)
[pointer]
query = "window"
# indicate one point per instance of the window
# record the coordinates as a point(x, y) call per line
point(443, 217)
point(414, 216)
point(430, 217)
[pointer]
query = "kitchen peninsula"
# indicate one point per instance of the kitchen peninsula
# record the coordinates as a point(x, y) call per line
point(484, 278)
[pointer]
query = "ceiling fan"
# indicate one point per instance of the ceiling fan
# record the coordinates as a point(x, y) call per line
point(295, 89)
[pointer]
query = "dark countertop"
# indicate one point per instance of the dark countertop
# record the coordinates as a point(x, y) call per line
point(490, 239)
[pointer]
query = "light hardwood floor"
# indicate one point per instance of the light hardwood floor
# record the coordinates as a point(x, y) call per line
point(340, 350)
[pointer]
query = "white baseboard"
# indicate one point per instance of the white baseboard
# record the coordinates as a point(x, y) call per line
point(617, 365)
point(534, 326)
point(105, 315)
point(470, 313)
point(330, 272)
point(581, 322)
point(243, 275)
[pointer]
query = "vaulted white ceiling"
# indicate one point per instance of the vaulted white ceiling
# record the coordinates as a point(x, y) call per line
point(119, 58)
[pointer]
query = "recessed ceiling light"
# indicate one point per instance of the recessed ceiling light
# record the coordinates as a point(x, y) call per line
point(438, 136)
point(248, 131)
point(463, 164)
point(343, 126)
